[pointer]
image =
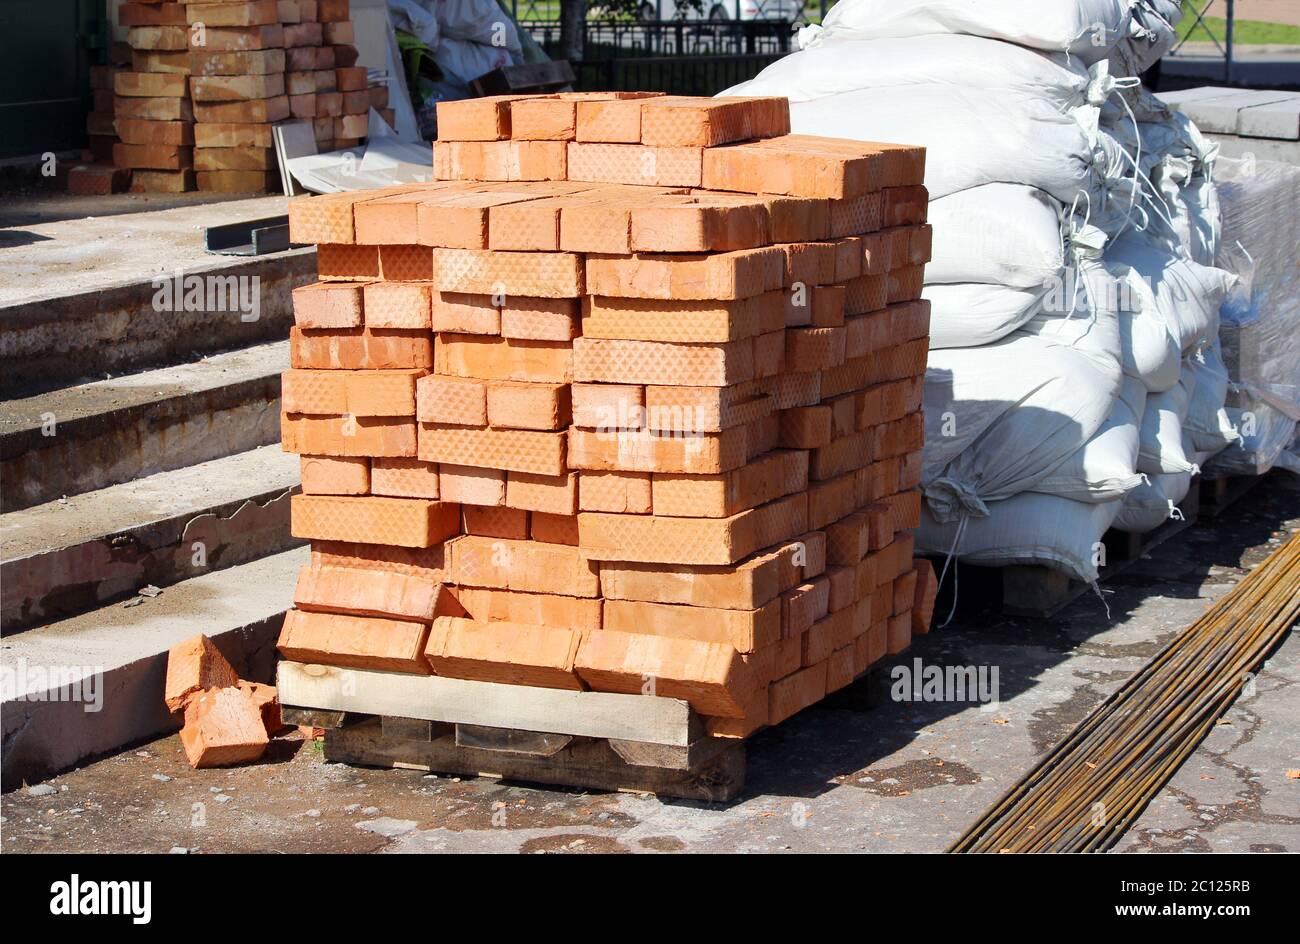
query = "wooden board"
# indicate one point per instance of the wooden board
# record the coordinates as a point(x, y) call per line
point(715, 773)
point(649, 719)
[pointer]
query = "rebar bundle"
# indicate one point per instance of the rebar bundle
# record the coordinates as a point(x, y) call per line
point(1087, 791)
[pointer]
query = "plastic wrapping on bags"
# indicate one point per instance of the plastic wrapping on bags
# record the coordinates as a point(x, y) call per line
point(1260, 206)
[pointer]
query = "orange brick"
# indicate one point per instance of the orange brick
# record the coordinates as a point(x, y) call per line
point(501, 160)
point(223, 727)
point(546, 274)
point(492, 358)
point(534, 609)
point(354, 642)
point(635, 164)
point(371, 593)
point(406, 522)
point(153, 156)
point(475, 119)
point(707, 675)
point(552, 494)
point(643, 451)
point(515, 450)
point(247, 13)
point(737, 274)
point(804, 605)
point(396, 305)
point(724, 494)
point(527, 566)
point(495, 522)
point(359, 349)
point(457, 400)
point(348, 435)
point(715, 226)
point(427, 563)
point(927, 589)
point(553, 529)
point(900, 633)
point(612, 121)
point(459, 313)
point(336, 475)
point(470, 485)
point(681, 321)
point(347, 262)
point(840, 669)
point(705, 409)
point(708, 122)
point(794, 693)
point(608, 406)
point(513, 653)
point(748, 585)
point(540, 319)
point(137, 131)
point(668, 540)
point(616, 492)
point(652, 362)
point(192, 666)
point(516, 405)
point(804, 168)
point(357, 392)
point(458, 220)
point(543, 118)
point(743, 630)
point(228, 88)
point(150, 85)
point(403, 477)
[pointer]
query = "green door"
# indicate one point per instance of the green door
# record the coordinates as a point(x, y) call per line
point(46, 48)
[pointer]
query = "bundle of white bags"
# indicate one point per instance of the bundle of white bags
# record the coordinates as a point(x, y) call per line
point(1075, 381)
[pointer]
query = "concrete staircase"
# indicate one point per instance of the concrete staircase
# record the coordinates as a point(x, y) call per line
point(169, 478)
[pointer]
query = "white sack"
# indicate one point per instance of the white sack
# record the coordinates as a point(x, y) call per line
point(1105, 467)
point(998, 419)
point(1207, 424)
point(832, 68)
point(1152, 503)
point(973, 314)
point(1161, 450)
point(1027, 529)
point(1187, 294)
point(1002, 234)
point(1084, 28)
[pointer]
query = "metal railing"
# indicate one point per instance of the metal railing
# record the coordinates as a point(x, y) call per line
point(629, 38)
point(1201, 28)
point(676, 75)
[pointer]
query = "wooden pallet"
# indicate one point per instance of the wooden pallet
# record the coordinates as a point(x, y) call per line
point(592, 740)
point(1040, 592)
point(1217, 494)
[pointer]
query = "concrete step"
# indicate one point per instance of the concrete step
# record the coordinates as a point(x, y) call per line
point(92, 684)
point(71, 555)
point(75, 306)
point(90, 436)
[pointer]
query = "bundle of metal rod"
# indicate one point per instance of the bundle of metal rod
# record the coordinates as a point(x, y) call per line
point(1089, 789)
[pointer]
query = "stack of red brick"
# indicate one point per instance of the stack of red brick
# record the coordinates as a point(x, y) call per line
point(629, 400)
point(210, 78)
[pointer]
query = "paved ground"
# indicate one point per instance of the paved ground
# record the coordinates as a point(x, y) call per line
point(847, 777)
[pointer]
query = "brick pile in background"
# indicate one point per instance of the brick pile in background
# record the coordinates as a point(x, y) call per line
point(152, 112)
point(209, 80)
point(569, 419)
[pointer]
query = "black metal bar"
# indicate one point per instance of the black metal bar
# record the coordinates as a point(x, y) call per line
point(248, 237)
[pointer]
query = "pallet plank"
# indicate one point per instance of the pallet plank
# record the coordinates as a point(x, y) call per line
point(651, 719)
point(588, 764)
